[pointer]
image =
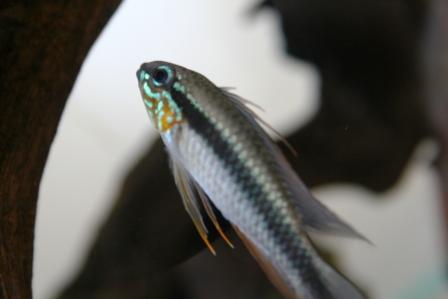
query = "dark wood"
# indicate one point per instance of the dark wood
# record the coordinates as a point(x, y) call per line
point(42, 47)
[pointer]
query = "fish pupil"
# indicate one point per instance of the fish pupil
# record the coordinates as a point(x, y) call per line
point(160, 76)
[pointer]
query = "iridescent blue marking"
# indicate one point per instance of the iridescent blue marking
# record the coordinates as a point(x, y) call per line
point(142, 75)
point(150, 93)
point(160, 106)
point(179, 87)
point(149, 104)
point(159, 102)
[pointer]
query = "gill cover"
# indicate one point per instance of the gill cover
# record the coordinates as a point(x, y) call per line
point(155, 84)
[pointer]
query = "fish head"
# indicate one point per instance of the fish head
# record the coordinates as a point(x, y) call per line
point(156, 80)
point(171, 92)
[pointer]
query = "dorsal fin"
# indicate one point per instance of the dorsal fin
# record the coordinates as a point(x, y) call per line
point(228, 92)
point(242, 103)
point(313, 213)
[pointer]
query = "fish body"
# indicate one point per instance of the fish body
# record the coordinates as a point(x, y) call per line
point(220, 153)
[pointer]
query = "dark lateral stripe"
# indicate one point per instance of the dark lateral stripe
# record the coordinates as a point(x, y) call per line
point(284, 236)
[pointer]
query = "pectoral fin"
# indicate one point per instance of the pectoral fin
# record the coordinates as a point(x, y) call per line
point(314, 214)
point(190, 201)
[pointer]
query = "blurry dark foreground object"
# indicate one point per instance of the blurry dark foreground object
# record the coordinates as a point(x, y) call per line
point(42, 47)
point(139, 250)
point(370, 120)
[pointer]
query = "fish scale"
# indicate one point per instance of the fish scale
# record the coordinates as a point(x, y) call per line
point(273, 218)
point(217, 146)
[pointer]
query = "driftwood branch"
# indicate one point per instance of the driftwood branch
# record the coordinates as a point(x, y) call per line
point(42, 47)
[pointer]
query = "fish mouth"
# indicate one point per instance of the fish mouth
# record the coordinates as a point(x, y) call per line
point(145, 68)
point(139, 73)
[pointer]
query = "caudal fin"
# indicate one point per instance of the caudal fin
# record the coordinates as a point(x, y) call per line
point(334, 285)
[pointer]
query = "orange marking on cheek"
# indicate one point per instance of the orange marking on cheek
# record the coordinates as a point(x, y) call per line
point(169, 120)
point(163, 115)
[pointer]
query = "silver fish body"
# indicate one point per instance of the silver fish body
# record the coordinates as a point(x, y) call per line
point(223, 150)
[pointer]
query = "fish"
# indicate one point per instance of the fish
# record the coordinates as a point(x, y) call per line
point(223, 158)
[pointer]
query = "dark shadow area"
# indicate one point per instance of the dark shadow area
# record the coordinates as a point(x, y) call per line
point(42, 47)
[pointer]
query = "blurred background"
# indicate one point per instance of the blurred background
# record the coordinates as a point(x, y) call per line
point(105, 129)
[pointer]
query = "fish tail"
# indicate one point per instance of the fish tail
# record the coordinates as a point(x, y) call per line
point(331, 284)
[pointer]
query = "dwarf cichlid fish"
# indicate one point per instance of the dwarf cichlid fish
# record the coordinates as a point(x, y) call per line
point(221, 155)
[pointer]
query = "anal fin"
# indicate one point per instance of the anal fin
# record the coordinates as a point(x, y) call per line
point(268, 268)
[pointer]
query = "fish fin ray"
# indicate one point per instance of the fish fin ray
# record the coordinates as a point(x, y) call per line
point(268, 268)
point(211, 214)
point(242, 103)
point(315, 215)
point(228, 92)
point(335, 283)
point(190, 201)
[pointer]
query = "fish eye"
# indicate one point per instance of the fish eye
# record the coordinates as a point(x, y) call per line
point(162, 75)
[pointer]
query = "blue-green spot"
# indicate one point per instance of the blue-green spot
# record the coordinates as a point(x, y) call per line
point(142, 75)
point(149, 92)
point(149, 104)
